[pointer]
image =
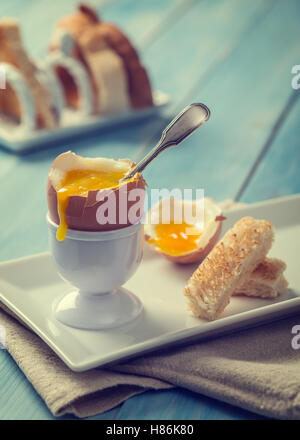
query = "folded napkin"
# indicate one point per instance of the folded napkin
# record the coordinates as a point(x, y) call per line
point(256, 369)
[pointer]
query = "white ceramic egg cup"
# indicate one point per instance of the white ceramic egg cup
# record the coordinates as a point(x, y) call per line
point(97, 264)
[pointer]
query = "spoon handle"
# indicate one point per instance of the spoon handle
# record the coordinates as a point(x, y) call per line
point(182, 126)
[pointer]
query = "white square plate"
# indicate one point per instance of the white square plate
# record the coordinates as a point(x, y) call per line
point(73, 125)
point(28, 286)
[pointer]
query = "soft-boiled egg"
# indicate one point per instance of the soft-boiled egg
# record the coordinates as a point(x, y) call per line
point(73, 187)
point(183, 241)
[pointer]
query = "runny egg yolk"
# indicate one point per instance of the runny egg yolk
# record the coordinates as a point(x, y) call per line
point(79, 183)
point(176, 239)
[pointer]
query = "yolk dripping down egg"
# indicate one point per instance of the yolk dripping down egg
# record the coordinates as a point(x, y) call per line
point(72, 189)
point(80, 182)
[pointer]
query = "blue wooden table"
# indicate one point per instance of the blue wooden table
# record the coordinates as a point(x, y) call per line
point(234, 55)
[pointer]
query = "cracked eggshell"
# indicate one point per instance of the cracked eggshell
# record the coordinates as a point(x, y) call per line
point(213, 219)
point(81, 211)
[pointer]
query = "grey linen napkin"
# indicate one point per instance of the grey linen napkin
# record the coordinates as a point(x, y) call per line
point(256, 369)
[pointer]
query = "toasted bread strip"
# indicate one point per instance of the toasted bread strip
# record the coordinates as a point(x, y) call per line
point(228, 265)
point(262, 290)
point(266, 281)
point(12, 52)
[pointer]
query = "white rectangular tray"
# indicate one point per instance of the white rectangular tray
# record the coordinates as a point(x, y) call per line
point(70, 126)
point(28, 286)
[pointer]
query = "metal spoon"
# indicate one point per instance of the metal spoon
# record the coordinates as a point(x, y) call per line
point(182, 126)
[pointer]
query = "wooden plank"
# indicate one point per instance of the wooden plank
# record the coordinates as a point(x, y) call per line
point(278, 173)
point(179, 404)
point(35, 165)
point(199, 42)
point(144, 21)
point(140, 20)
point(246, 94)
point(8, 8)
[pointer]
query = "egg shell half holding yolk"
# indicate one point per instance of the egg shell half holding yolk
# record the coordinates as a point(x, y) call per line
point(191, 248)
point(81, 208)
